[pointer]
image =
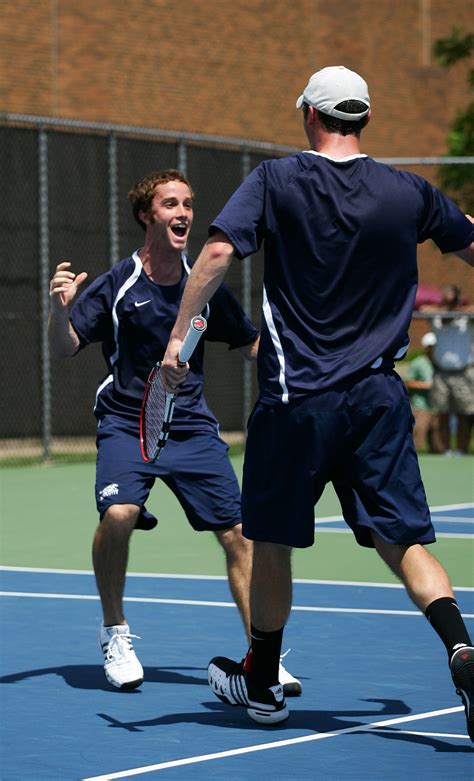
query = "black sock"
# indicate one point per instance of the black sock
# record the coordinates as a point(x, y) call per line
point(446, 619)
point(266, 650)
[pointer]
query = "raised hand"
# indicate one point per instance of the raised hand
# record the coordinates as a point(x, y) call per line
point(64, 285)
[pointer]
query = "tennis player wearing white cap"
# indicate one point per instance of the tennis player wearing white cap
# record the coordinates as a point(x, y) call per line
point(340, 234)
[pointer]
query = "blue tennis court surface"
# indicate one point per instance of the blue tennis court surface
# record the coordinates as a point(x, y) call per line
point(455, 520)
point(378, 702)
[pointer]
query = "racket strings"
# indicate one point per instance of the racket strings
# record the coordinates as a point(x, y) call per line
point(157, 405)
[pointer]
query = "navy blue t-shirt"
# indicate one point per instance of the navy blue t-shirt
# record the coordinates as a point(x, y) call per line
point(132, 317)
point(340, 275)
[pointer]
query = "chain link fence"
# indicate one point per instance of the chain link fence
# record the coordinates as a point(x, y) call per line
point(64, 197)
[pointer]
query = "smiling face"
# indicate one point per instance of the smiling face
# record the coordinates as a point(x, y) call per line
point(170, 217)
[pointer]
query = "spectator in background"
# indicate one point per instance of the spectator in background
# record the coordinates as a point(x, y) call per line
point(453, 381)
point(419, 382)
point(428, 297)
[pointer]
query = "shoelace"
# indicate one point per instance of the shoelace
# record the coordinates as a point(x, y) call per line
point(120, 645)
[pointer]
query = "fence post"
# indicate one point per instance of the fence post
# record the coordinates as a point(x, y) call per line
point(43, 219)
point(246, 295)
point(182, 158)
point(113, 201)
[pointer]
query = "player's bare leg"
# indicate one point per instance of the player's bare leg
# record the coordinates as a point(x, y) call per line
point(270, 600)
point(424, 578)
point(428, 585)
point(238, 553)
point(423, 420)
point(463, 434)
point(441, 433)
point(254, 684)
point(110, 555)
point(271, 590)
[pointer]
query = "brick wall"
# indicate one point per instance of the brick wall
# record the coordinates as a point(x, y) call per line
point(236, 67)
point(232, 66)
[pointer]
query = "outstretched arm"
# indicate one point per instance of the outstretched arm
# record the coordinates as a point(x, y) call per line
point(62, 289)
point(204, 279)
point(467, 254)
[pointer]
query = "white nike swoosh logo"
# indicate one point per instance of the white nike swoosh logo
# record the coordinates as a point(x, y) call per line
point(142, 303)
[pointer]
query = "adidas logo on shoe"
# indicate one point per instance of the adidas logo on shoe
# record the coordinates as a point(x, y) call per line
point(234, 686)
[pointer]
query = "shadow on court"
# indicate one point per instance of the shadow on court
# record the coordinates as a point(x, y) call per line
point(218, 715)
point(88, 676)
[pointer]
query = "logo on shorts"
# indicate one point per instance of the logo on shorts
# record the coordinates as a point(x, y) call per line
point(109, 490)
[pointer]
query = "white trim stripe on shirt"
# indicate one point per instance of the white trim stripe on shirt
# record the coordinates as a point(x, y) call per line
point(333, 159)
point(267, 312)
point(126, 286)
point(101, 387)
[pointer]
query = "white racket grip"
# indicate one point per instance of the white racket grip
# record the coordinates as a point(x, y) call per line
point(195, 331)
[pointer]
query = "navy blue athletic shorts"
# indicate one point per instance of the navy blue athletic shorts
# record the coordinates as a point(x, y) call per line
point(194, 465)
point(359, 437)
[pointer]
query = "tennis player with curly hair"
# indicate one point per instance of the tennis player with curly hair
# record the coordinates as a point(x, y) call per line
point(130, 310)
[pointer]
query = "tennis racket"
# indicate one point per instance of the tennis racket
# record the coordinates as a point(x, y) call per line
point(158, 403)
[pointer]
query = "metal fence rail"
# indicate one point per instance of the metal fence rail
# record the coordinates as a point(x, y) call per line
point(66, 199)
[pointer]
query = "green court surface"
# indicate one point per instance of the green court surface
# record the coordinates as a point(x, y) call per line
point(48, 518)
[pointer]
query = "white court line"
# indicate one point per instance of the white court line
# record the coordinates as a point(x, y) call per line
point(274, 744)
point(320, 529)
point(450, 535)
point(176, 576)
point(56, 571)
point(95, 598)
point(453, 519)
point(328, 519)
point(322, 525)
point(421, 734)
point(442, 507)
point(210, 603)
point(437, 509)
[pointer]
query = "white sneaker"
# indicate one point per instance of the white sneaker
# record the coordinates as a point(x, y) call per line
point(291, 686)
point(122, 668)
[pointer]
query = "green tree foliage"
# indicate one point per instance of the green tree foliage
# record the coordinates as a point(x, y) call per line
point(458, 180)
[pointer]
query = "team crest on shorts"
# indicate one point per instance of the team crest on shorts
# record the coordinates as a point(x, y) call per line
point(109, 490)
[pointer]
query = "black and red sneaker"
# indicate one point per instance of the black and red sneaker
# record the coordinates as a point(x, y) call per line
point(233, 685)
point(462, 670)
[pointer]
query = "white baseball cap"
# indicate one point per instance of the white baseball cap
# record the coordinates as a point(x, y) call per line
point(333, 85)
point(428, 340)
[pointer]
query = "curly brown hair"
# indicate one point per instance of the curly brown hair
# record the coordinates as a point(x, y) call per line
point(142, 193)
